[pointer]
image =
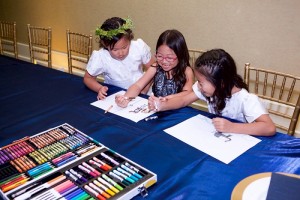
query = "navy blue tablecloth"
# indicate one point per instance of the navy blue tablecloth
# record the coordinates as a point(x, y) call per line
point(34, 98)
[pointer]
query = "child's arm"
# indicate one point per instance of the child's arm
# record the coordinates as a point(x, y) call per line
point(135, 89)
point(149, 64)
point(146, 67)
point(162, 104)
point(93, 84)
point(262, 126)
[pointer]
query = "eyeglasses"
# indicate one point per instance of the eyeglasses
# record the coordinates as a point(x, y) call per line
point(160, 57)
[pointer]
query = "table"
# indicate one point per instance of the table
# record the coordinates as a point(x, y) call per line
point(34, 98)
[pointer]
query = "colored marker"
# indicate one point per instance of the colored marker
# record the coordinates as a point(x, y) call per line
point(112, 182)
point(87, 171)
point(123, 176)
point(127, 174)
point(102, 192)
point(105, 166)
point(88, 188)
point(108, 185)
point(109, 158)
point(104, 188)
point(78, 175)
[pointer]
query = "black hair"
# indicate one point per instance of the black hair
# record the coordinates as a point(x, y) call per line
point(111, 24)
point(175, 41)
point(219, 69)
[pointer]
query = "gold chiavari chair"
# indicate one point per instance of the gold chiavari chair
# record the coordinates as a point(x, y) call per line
point(194, 54)
point(40, 44)
point(79, 48)
point(279, 91)
point(8, 38)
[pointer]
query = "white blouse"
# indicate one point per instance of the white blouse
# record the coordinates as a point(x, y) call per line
point(242, 105)
point(120, 73)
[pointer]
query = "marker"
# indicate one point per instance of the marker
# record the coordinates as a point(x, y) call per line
point(99, 196)
point(131, 167)
point(127, 174)
point(109, 158)
point(125, 182)
point(112, 182)
point(110, 192)
point(73, 177)
point(105, 166)
point(151, 118)
point(131, 171)
point(108, 185)
point(108, 109)
point(123, 176)
point(91, 168)
point(78, 175)
point(97, 189)
point(87, 171)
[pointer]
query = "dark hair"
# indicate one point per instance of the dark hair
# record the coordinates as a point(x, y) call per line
point(111, 24)
point(175, 41)
point(219, 69)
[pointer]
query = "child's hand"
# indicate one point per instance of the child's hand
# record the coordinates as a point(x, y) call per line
point(102, 93)
point(154, 103)
point(222, 125)
point(122, 101)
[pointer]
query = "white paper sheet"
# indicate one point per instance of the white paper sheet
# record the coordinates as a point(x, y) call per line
point(200, 133)
point(138, 104)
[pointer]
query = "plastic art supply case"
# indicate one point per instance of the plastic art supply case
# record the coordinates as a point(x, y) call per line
point(64, 163)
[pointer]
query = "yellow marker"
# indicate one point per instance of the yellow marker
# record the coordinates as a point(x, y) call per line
point(104, 188)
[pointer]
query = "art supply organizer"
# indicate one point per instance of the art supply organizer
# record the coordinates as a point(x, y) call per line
point(64, 163)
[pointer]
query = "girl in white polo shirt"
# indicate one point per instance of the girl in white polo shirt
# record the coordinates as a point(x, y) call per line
point(226, 95)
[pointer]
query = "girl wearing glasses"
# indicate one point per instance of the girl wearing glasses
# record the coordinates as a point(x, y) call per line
point(120, 59)
point(226, 95)
point(171, 74)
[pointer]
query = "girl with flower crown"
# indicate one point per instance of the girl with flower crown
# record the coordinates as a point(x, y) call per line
point(120, 59)
point(171, 74)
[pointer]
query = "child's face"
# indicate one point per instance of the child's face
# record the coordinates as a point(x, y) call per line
point(205, 87)
point(120, 50)
point(166, 58)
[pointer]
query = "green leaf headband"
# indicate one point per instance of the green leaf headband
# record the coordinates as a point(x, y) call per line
point(111, 33)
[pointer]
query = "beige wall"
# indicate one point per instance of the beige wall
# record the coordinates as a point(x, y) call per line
point(264, 33)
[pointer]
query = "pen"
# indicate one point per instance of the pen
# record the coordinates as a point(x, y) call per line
point(108, 109)
point(151, 118)
point(129, 98)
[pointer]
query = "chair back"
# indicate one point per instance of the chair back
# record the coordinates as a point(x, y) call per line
point(40, 44)
point(194, 54)
point(79, 47)
point(8, 38)
point(279, 91)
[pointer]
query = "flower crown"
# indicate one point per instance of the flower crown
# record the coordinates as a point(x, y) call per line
point(111, 33)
